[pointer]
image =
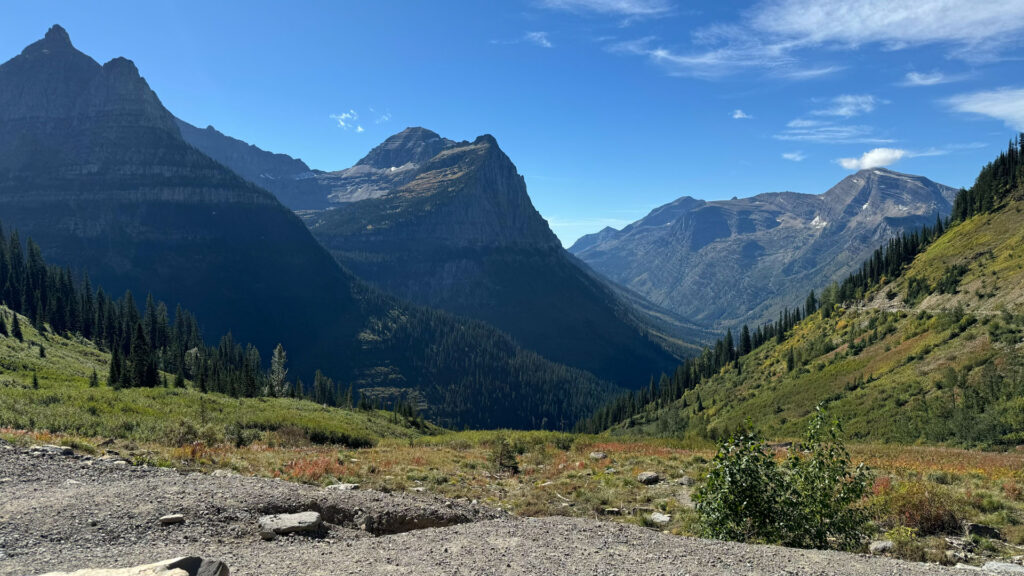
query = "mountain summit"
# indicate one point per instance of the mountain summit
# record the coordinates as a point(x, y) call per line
point(458, 231)
point(733, 261)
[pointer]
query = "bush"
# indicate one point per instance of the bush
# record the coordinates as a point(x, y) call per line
point(928, 508)
point(810, 500)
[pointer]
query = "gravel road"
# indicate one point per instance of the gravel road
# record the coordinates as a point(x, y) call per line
point(61, 512)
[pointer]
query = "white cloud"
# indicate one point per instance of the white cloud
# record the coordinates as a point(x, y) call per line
point(538, 38)
point(849, 105)
point(927, 79)
point(780, 36)
point(385, 117)
point(875, 158)
point(1006, 104)
point(738, 114)
point(794, 156)
point(348, 121)
point(614, 7)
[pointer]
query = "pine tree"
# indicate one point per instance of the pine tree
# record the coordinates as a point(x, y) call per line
point(16, 328)
point(278, 372)
point(35, 381)
point(141, 361)
point(179, 378)
point(114, 377)
point(94, 379)
point(745, 344)
point(3, 322)
point(42, 351)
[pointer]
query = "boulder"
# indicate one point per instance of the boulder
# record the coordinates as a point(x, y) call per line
point(659, 518)
point(342, 486)
point(881, 547)
point(188, 566)
point(276, 524)
point(685, 481)
point(50, 450)
point(982, 531)
point(648, 478)
point(598, 455)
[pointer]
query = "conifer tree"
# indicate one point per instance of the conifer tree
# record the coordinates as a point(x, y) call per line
point(3, 325)
point(278, 372)
point(94, 379)
point(35, 381)
point(42, 351)
point(16, 328)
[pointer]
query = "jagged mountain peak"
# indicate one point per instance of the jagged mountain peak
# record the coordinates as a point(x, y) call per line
point(414, 145)
point(56, 39)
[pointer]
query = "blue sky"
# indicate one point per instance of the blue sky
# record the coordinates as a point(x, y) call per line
point(608, 107)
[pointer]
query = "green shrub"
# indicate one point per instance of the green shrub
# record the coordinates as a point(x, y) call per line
point(928, 508)
point(811, 500)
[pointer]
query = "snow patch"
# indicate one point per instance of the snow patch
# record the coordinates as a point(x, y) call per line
point(865, 206)
point(818, 222)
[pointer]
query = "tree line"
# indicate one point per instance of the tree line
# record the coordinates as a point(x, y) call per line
point(145, 347)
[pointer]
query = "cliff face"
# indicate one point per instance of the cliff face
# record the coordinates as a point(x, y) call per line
point(734, 261)
point(459, 232)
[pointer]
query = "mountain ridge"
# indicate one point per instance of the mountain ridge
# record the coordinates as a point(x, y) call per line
point(703, 259)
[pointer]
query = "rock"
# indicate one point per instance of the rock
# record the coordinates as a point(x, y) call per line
point(189, 566)
point(610, 470)
point(982, 531)
point(50, 450)
point(685, 481)
point(342, 486)
point(659, 518)
point(223, 473)
point(881, 547)
point(172, 519)
point(648, 478)
point(1003, 568)
point(598, 455)
point(120, 463)
point(273, 525)
point(612, 511)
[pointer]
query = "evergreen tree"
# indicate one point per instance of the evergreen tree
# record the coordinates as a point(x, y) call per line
point(745, 343)
point(35, 381)
point(42, 351)
point(3, 323)
point(16, 328)
point(278, 372)
point(141, 362)
point(94, 379)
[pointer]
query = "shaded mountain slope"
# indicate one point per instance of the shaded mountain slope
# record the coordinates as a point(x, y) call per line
point(94, 168)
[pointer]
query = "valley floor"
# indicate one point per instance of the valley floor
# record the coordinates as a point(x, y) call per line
point(63, 512)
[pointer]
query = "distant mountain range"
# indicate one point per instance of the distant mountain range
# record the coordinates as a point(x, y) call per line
point(96, 171)
point(729, 262)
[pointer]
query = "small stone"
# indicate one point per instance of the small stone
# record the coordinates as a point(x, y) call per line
point(276, 524)
point(659, 518)
point(610, 470)
point(612, 511)
point(685, 481)
point(881, 547)
point(648, 478)
point(172, 519)
point(343, 487)
point(223, 473)
point(120, 463)
point(598, 455)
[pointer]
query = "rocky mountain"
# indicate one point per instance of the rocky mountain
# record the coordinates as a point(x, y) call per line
point(95, 170)
point(450, 225)
point(290, 179)
point(729, 262)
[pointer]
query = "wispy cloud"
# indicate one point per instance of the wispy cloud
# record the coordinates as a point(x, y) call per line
point(382, 118)
point(797, 156)
point(1006, 104)
point(927, 79)
point(827, 132)
point(538, 38)
point(784, 36)
point(348, 121)
point(632, 8)
point(848, 106)
point(875, 158)
point(738, 114)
